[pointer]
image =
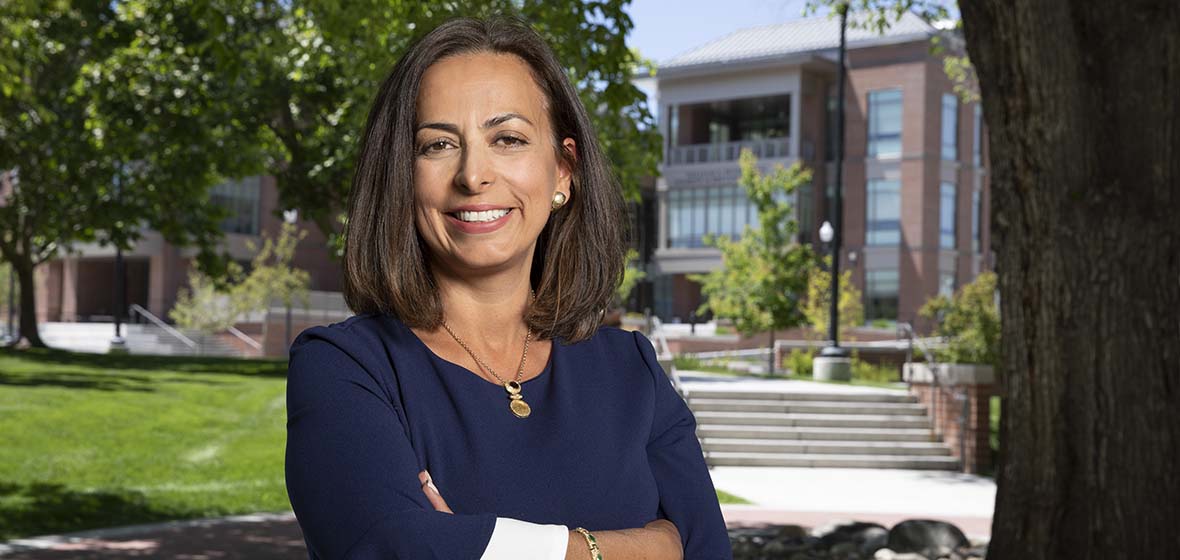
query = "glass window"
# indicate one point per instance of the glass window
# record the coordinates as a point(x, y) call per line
point(881, 294)
point(804, 212)
point(240, 197)
point(713, 209)
point(946, 284)
point(883, 222)
point(976, 142)
point(699, 202)
point(830, 125)
point(950, 127)
point(885, 123)
point(946, 216)
point(976, 218)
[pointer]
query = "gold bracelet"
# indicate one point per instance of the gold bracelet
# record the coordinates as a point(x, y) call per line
point(594, 553)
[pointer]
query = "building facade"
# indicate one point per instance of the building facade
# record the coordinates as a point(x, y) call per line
point(915, 175)
point(80, 287)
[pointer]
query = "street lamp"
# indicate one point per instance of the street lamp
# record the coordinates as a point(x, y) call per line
point(118, 343)
point(833, 362)
point(290, 217)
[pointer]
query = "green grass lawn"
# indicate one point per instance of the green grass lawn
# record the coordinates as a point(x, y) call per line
point(95, 441)
point(90, 441)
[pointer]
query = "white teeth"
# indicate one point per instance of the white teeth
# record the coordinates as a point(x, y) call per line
point(484, 216)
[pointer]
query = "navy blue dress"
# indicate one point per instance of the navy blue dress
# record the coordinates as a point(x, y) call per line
point(609, 445)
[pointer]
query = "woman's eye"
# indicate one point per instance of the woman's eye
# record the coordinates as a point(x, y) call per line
point(432, 147)
point(512, 141)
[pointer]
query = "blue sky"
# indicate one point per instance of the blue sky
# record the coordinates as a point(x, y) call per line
point(665, 28)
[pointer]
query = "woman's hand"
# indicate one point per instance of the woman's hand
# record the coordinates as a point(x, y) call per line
point(436, 498)
point(668, 528)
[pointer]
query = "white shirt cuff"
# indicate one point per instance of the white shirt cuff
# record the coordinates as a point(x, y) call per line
point(513, 539)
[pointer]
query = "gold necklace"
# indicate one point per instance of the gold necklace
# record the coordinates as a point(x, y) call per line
point(516, 402)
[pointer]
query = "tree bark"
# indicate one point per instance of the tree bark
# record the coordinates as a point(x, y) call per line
point(1082, 104)
point(28, 303)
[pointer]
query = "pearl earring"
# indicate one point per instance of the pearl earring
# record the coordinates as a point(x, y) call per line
point(558, 200)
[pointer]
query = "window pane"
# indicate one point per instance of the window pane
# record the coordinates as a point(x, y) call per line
point(946, 216)
point(884, 123)
point(946, 284)
point(714, 210)
point(883, 222)
point(976, 146)
point(976, 218)
point(698, 218)
point(950, 126)
point(881, 294)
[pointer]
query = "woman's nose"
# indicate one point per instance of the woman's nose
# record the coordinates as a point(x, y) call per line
point(476, 172)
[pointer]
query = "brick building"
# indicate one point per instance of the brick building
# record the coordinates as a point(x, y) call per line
point(915, 173)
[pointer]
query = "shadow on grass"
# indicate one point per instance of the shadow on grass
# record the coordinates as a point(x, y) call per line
point(185, 364)
point(40, 508)
point(79, 380)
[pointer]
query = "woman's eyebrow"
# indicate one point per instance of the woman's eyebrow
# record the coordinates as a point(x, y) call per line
point(496, 120)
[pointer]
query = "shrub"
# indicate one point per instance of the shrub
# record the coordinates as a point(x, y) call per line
point(864, 371)
point(799, 362)
point(970, 321)
point(680, 361)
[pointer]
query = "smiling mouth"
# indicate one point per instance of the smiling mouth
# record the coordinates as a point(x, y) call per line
point(481, 216)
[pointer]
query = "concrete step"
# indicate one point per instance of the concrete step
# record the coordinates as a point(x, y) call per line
point(882, 396)
point(725, 458)
point(698, 404)
point(895, 448)
point(813, 433)
point(813, 420)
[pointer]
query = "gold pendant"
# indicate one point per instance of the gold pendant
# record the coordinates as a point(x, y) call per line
point(520, 408)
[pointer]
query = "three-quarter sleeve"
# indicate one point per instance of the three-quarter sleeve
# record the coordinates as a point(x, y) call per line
point(351, 473)
point(687, 496)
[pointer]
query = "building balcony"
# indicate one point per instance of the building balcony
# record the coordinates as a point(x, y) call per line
point(691, 154)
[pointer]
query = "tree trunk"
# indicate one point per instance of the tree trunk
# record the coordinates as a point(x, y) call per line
point(28, 303)
point(1082, 103)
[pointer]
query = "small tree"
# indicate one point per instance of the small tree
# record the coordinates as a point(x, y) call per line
point(204, 307)
point(632, 274)
point(763, 275)
point(819, 297)
point(970, 322)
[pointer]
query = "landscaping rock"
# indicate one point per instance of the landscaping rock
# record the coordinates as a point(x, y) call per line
point(927, 537)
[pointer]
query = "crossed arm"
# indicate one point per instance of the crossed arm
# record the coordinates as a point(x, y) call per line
point(658, 540)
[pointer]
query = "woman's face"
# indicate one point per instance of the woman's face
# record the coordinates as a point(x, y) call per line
point(485, 168)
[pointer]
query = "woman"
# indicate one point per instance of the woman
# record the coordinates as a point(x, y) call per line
point(474, 407)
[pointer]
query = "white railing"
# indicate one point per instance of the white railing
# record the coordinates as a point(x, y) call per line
point(245, 338)
point(136, 309)
point(728, 151)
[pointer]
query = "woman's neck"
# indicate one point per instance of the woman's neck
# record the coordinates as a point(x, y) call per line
point(486, 311)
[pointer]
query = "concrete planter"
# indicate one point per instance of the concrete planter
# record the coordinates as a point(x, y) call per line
point(948, 374)
point(826, 368)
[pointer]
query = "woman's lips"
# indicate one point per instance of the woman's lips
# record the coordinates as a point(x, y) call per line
point(479, 227)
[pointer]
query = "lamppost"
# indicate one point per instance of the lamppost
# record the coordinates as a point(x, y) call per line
point(290, 217)
point(833, 362)
point(118, 343)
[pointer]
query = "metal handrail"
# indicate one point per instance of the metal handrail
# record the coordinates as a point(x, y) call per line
point(135, 308)
point(941, 387)
point(245, 338)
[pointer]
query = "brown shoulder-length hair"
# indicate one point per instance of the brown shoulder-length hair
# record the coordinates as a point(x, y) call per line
point(578, 261)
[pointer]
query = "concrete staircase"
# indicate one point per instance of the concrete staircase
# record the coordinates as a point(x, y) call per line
point(140, 339)
point(796, 428)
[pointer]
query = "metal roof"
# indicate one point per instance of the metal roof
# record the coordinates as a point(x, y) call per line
point(797, 36)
